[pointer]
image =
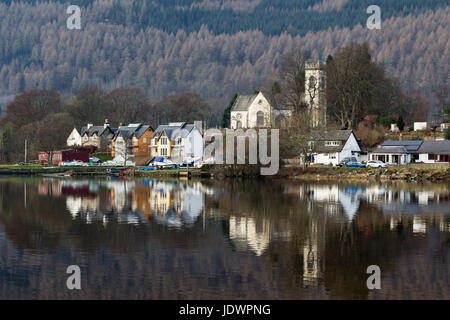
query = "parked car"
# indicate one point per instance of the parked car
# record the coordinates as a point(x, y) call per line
point(345, 160)
point(355, 164)
point(376, 164)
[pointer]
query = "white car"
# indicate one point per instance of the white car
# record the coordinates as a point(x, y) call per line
point(376, 164)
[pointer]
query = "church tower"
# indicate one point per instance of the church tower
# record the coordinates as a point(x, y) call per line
point(315, 93)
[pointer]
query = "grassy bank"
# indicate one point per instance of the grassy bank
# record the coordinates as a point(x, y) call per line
point(291, 172)
point(391, 173)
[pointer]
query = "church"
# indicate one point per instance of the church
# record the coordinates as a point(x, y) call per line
point(257, 110)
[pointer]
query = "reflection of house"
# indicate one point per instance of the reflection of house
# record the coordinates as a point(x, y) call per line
point(140, 199)
point(246, 234)
point(312, 256)
point(330, 147)
point(334, 198)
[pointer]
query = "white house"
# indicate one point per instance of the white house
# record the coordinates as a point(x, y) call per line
point(434, 152)
point(397, 152)
point(178, 140)
point(261, 110)
point(330, 147)
point(74, 138)
point(420, 126)
point(251, 111)
point(188, 143)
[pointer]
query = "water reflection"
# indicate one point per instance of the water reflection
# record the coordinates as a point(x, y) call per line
point(225, 239)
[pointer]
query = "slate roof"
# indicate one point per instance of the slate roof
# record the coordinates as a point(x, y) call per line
point(141, 130)
point(319, 137)
point(406, 146)
point(409, 145)
point(391, 149)
point(436, 147)
point(333, 135)
point(127, 132)
point(243, 102)
point(171, 130)
point(98, 130)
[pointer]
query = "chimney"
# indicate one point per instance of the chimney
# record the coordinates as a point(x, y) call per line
point(400, 137)
point(106, 124)
point(199, 125)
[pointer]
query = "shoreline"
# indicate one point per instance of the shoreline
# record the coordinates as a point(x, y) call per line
point(418, 174)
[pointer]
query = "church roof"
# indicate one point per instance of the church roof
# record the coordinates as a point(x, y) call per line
point(243, 102)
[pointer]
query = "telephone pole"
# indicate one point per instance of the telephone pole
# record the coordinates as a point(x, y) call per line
point(25, 151)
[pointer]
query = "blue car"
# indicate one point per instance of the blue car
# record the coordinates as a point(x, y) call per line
point(355, 164)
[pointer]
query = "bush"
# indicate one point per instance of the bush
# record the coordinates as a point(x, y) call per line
point(447, 134)
point(384, 121)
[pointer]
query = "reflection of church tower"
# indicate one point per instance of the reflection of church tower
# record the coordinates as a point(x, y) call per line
point(312, 259)
point(315, 93)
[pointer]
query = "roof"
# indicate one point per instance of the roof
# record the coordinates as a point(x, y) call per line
point(132, 129)
point(333, 135)
point(409, 145)
point(243, 102)
point(98, 130)
point(436, 147)
point(319, 138)
point(171, 130)
point(142, 129)
point(391, 149)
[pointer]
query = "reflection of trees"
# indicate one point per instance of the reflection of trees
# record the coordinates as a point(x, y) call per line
point(40, 226)
point(283, 243)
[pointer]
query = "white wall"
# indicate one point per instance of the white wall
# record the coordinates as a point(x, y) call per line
point(350, 145)
point(255, 107)
point(420, 126)
point(234, 120)
point(326, 158)
point(423, 157)
point(193, 143)
point(74, 138)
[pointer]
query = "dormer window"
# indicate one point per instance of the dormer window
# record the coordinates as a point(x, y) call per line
point(331, 143)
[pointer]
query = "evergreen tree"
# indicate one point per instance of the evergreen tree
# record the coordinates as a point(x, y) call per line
point(227, 113)
point(400, 123)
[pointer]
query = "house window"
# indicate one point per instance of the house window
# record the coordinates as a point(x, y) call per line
point(331, 143)
point(164, 141)
point(156, 141)
point(164, 152)
point(144, 140)
point(179, 141)
point(238, 125)
point(431, 156)
point(260, 119)
point(260, 101)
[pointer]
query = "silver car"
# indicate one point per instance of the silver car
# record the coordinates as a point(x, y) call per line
point(376, 164)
